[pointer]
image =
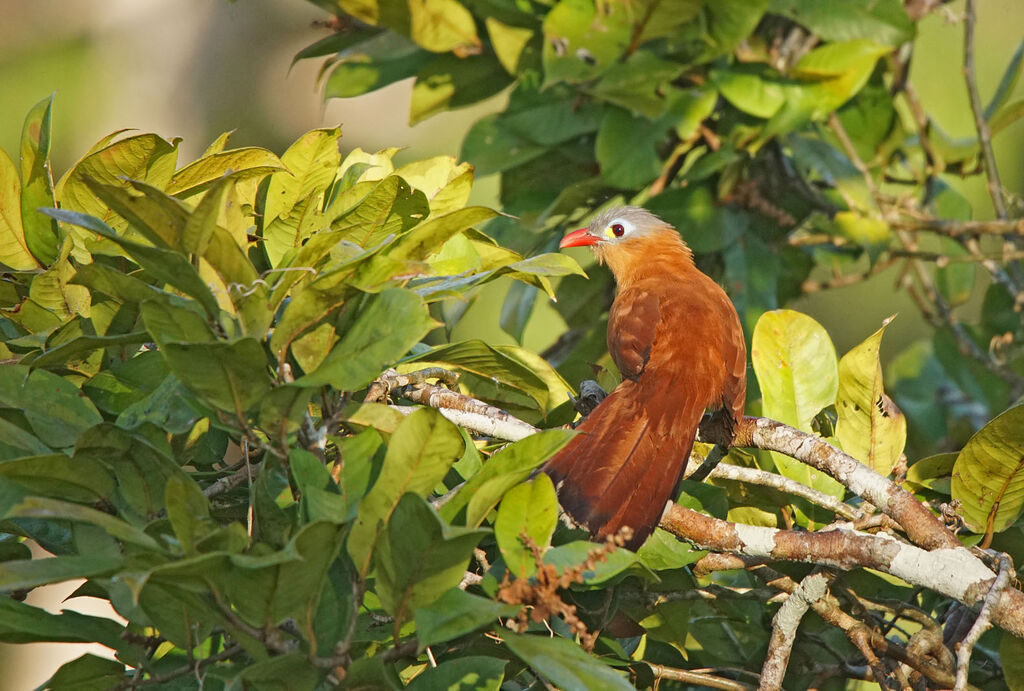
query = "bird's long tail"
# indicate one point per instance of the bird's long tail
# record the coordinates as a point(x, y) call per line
point(627, 460)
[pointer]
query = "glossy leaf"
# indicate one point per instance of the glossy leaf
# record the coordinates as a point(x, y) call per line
point(564, 663)
point(503, 471)
point(420, 452)
point(42, 236)
point(870, 426)
point(455, 614)
point(14, 251)
point(472, 671)
point(238, 164)
point(54, 407)
point(796, 368)
point(230, 376)
point(531, 509)
point(988, 475)
point(383, 333)
point(419, 557)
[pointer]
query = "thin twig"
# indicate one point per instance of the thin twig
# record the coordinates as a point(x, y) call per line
point(995, 186)
point(696, 678)
point(958, 228)
point(984, 620)
point(755, 476)
point(183, 670)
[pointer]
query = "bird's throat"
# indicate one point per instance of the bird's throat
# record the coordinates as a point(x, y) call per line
point(662, 252)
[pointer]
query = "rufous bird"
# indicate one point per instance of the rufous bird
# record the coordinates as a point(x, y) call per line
point(677, 341)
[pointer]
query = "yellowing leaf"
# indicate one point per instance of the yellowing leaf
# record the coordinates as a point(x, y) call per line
point(988, 476)
point(443, 25)
point(14, 251)
point(871, 428)
point(796, 368)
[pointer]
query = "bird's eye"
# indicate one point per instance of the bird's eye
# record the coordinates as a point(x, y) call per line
point(619, 230)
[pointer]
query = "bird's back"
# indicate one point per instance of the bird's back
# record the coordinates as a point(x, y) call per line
point(677, 341)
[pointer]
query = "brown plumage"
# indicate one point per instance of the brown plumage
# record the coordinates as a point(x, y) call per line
point(677, 340)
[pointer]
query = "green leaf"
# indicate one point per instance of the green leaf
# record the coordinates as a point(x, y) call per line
point(870, 426)
point(442, 25)
point(88, 673)
point(42, 236)
point(988, 477)
point(503, 471)
point(844, 20)
point(78, 347)
point(638, 84)
point(421, 450)
point(470, 672)
point(290, 671)
point(428, 237)
point(142, 469)
point(290, 586)
point(489, 373)
point(753, 89)
point(870, 233)
point(575, 553)
point(531, 509)
point(508, 42)
point(934, 472)
point(58, 475)
point(795, 364)
point(22, 623)
point(144, 157)
point(237, 164)
point(295, 195)
point(16, 442)
point(14, 252)
point(564, 663)
point(455, 614)
point(419, 557)
point(581, 43)
point(230, 376)
point(54, 407)
point(626, 144)
point(392, 323)
point(187, 510)
point(32, 573)
point(319, 502)
point(375, 63)
point(52, 509)
point(1011, 652)
point(448, 82)
point(164, 264)
point(158, 217)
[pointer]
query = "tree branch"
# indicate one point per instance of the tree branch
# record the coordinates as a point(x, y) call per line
point(754, 476)
point(982, 623)
point(951, 571)
point(784, 626)
point(920, 524)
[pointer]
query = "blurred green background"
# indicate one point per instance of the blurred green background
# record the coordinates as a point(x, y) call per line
point(196, 68)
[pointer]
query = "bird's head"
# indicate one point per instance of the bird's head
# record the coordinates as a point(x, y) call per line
point(617, 225)
point(624, 235)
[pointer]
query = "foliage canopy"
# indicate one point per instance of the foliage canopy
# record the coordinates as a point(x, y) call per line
point(202, 362)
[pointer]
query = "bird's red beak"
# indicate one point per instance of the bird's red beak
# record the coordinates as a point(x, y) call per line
point(578, 238)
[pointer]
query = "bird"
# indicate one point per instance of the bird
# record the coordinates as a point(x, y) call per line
point(678, 343)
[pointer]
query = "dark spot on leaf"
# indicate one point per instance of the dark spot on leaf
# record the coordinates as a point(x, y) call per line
point(586, 56)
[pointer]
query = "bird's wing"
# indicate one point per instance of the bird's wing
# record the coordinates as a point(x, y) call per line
point(632, 323)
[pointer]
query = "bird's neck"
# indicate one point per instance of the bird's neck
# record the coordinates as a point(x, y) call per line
point(659, 253)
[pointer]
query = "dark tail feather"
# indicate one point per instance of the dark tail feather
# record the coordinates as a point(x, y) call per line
point(626, 462)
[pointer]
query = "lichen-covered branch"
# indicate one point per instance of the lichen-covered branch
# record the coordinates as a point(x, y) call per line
point(951, 571)
point(784, 626)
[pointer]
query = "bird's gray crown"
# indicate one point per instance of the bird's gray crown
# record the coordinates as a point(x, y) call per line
point(641, 219)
